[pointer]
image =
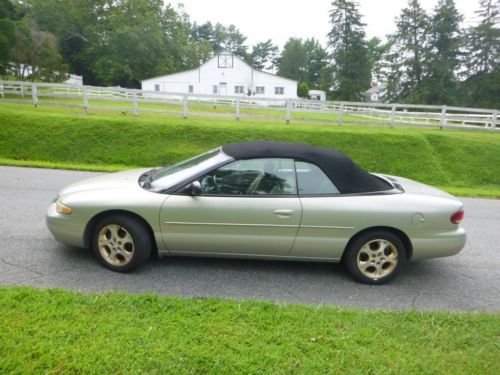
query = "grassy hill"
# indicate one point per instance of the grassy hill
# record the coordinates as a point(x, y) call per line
point(462, 162)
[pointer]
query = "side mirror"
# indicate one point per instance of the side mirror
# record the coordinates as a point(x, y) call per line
point(195, 188)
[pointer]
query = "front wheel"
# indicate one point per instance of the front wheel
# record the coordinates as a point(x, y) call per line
point(375, 257)
point(121, 243)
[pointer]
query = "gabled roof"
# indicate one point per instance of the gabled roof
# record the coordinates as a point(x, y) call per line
point(213, 57)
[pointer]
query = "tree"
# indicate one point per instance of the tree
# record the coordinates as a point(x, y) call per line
point(7, 42)
point(235, 41)
point(481, 87)
point(349, 52)
point(221, 37)
point(120, 42)
point(36, 53)
point(6, 9)
point(317, 59)
point(134, 44)
point(293, 60)
point(406, 59)
point(376, 50)
point(326, 80)
point(7, 33)
point(484, 39)
point(263, 55)
point(440, 85)
point(79, 25)
point(303, 90)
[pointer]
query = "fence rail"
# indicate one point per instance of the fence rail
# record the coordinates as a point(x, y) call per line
point(141, 101)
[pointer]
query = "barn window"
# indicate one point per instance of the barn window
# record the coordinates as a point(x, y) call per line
point(157, 87)
point(215, 89)
point(225, 60)
point(279, 90)
point(191, 89)
point(260, 90)
point(239, 90)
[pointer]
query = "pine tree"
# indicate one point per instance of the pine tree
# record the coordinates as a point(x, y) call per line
point(293, 60)
point(482, 85)
point(376, 50)
point(317, 58)
point(484, 39)
point(263, 56)
point(440, 85)
point(347, 41)
point(406, 60)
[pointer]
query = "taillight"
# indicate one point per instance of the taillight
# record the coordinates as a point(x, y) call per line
point(457, 217)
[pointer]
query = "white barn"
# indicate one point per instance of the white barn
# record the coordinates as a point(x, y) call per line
point(224, 74)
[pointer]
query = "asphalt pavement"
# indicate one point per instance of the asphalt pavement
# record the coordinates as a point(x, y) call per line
point(29, 255)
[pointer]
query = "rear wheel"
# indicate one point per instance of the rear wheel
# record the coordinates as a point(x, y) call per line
point(375, 257)
point(121, 243)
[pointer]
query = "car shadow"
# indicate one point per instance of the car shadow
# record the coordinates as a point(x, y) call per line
point(275, 267)
point(329, 272)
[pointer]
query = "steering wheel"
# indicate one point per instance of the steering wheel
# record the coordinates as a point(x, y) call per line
point(209, 185)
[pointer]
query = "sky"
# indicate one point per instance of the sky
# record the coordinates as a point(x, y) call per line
point(279, 20)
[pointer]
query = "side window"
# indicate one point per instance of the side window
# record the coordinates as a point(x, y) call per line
point(312, 180)
point(252, 177)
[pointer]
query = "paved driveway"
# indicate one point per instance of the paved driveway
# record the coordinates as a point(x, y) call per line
point(30, 256)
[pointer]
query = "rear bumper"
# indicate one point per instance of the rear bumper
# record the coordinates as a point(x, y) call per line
point(68, 229)
point(435, 245)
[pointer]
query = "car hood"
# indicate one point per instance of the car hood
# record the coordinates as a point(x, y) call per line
point(118, 180)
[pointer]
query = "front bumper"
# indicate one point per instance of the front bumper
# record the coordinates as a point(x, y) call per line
point(435, 245)
point(68, 229)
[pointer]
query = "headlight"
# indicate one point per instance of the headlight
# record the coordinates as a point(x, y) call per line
point(62, 208)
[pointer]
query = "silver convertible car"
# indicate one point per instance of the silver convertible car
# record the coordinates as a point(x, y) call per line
point(266, 200)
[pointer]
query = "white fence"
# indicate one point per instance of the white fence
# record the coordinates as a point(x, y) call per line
point(139, 101)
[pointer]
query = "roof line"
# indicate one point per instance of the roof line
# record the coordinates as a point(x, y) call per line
point(213, 57)
point(171, 74)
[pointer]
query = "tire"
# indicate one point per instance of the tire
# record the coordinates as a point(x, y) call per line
point(121, 243)
point(375, 257)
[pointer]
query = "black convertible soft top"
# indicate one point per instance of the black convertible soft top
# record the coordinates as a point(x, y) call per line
point(347, 176)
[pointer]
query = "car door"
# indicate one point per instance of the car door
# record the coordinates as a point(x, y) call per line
point(327, 221)
point(247, 207)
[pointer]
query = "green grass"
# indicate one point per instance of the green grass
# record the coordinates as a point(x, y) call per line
point(54, 331)
point(218, 107)
point(463, 162)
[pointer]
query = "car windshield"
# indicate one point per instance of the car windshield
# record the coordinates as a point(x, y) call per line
point(167, 177)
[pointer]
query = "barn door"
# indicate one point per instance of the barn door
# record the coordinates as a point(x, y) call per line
point(222, 88)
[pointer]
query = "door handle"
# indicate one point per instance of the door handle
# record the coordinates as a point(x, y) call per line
point(284, 212)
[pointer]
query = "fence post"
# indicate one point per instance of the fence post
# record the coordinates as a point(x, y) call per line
point(494, 120)
point(34, 95)
point(237, 109)
point(341, 113)
point(443, 117)
point(22, 90)
point(85, 100)
point(185, 106)
point(393, 112)
point(1, 90)
point(288, 110)
point(135, 110)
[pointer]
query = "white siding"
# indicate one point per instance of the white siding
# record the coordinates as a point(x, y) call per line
point(210, 74)
point(317, 95)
